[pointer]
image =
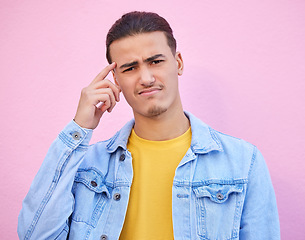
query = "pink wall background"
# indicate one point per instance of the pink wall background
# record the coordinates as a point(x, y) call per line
point(244, 75)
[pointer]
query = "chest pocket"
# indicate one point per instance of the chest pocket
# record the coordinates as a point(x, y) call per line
point(91, 195)
point(218, 209)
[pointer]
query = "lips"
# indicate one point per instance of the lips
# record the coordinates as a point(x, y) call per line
point(150, 91)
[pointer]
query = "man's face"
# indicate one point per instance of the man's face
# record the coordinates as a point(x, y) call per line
point(147, 72)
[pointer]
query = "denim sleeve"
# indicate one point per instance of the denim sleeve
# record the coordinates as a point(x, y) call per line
point(49, 202)
point(260, 219)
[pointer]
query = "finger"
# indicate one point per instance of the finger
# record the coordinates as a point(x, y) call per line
point(107, 106)
point(104, 97)
point(110, 94)
point(108, 84)
point(104, 108)
point(103, 74)
point(103, 105)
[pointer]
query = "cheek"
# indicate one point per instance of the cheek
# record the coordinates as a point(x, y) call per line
point(127, 89)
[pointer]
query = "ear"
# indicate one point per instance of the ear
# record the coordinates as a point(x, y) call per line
point(180, 64)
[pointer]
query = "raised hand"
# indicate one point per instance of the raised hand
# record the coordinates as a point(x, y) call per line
point(100, 96)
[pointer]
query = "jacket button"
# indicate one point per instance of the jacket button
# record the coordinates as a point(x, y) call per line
point(104, 237)
point(122, 157)
point(93, 183)
point(117, 196)
point(76, 135)
point(219, 196)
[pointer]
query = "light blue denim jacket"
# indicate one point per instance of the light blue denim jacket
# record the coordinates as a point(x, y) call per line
point(221, 190)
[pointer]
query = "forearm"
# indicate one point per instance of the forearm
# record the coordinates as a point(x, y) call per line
point(260, 216)
point(49, 202)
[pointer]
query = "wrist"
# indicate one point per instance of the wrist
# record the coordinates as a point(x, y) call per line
point(81, 125)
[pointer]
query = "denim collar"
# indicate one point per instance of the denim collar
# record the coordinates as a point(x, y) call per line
point(204, 138)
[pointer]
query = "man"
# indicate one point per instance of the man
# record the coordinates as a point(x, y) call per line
point(164, 175)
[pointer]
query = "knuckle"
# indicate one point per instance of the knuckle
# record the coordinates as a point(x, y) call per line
point(84, 91)
point(108, 90)
point(107, 99)
point(107, 103)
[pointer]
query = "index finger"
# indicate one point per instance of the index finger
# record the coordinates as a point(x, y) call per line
point(103, 74)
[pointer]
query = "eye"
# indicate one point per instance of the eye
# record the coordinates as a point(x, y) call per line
point(129, 69)
point(156, 61)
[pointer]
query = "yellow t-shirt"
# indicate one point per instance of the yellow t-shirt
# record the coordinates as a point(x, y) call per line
point(149, 213)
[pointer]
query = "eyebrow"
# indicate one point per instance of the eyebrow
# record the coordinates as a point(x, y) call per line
point(154, 57)
point(134, 63)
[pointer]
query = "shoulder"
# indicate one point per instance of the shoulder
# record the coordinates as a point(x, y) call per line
point(234, 145)
point(220, 153)
point(205, 137)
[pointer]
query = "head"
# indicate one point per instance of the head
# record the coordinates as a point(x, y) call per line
point(134, 23)
point(147, 64)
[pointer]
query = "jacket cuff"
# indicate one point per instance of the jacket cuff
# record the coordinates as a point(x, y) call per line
point(74, 135)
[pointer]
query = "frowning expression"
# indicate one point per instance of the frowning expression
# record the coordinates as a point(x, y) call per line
point(147, 72)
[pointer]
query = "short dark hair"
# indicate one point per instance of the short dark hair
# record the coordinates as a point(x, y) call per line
point(134, 23)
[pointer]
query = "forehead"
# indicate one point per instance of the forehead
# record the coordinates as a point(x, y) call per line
point(141, 45)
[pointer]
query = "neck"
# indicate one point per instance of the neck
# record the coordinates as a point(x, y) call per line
point(166, 126)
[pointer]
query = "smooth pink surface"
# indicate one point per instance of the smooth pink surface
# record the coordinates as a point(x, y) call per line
point(244, 75)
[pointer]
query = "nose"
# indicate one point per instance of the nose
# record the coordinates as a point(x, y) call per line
point(147, 78)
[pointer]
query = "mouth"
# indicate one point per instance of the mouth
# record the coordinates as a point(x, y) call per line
point(150, 91)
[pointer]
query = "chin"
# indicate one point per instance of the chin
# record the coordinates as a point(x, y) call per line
point(156, 111)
